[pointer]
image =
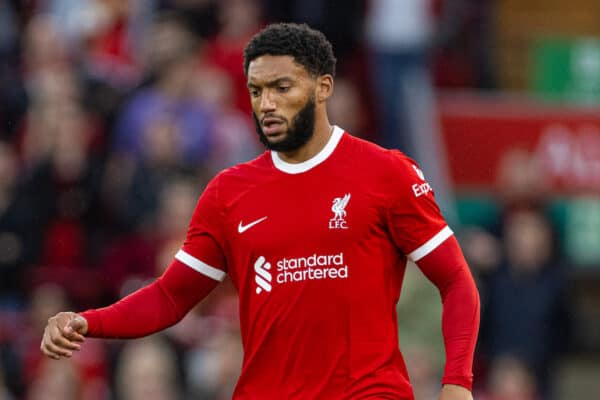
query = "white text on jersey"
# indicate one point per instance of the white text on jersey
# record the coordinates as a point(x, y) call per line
point(339, 212)
point(313, 267)
point(421, 189)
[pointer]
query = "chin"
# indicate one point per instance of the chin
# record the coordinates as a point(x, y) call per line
point(279, 138)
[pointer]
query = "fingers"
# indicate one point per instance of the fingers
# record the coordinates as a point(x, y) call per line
point(72, 334)
point(59, 342)
point(51, 349)
point(78, 325)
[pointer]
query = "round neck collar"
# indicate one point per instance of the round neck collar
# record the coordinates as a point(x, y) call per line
point(298, 168)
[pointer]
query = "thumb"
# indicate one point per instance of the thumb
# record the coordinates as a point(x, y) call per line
point(77, 324)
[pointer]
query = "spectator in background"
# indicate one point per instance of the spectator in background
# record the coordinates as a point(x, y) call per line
point(104, 34)
point(169, 98)
point(238, 21)
point(105, 38)
point(4, 392)
point(463, 44)
point(65, 180)
point(20, 233)
point(518, 181)
point(345, 105)
point(138, 201)
point(61, 173)
point(12, 92)
point(423, 371)
point(148, 370)
point(52, 80)
point(12, 385)
point(400, 35)
point(525, 311)
point(201, 15)
point(45, 53)
point(340, 20)
point(165, 203)
point(214, 366)
point(55, 381)
point(235, 135)
point(510, 379)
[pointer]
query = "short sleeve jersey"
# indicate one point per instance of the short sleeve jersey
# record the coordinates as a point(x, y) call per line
point(317, 251)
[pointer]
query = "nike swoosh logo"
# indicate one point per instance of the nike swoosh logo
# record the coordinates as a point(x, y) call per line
point(243, 228)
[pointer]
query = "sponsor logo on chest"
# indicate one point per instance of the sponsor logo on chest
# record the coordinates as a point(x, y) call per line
point(299, 269)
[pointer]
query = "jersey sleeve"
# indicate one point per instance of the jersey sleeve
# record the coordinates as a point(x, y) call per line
point(416, 224)
point(202, 249)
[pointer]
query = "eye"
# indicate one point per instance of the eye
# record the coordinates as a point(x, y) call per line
point(283, 88)
point(254, 92)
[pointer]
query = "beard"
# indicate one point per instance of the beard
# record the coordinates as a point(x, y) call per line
point(299, 132)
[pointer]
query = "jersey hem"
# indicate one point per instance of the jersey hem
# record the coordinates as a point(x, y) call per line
point(199, 266)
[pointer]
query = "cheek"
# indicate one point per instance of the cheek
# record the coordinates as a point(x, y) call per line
point(255, 104)
point(293, 106)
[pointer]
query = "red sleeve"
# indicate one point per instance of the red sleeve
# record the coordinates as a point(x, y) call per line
point(152, 308)
point(446, 267)
point(421, 233)
point(198, 266)
point(414, 219)
point(205, 240)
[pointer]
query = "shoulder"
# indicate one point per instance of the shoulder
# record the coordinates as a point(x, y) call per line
point(233, 181)
point(396, 174)
point(388, 163)
point(245, 170)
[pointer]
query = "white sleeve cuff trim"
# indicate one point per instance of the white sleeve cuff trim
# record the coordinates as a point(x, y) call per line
point(200, 266)
point(431, 244)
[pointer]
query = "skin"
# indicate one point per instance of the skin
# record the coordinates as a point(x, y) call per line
point(279, 88)
point(64, 333)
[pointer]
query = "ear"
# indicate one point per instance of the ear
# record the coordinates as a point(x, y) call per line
point(324, 88)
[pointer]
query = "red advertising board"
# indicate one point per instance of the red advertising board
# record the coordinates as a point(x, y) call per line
point(478, 131)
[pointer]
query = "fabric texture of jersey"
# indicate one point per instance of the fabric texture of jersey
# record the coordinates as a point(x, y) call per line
point(317, 251)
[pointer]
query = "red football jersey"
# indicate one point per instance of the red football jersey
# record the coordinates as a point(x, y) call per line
point(317, 251)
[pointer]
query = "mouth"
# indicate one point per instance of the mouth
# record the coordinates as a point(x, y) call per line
point(272, 126)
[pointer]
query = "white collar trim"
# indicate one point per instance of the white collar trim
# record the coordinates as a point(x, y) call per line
point(321, 156)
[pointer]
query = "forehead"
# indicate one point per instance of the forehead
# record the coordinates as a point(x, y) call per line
point(269, 68)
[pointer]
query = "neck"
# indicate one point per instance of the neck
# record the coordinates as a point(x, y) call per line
point(319, 139)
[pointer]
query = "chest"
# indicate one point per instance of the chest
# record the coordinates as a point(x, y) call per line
point(293, 216)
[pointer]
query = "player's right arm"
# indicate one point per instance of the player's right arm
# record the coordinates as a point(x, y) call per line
point(151, 309)
point(197, 268)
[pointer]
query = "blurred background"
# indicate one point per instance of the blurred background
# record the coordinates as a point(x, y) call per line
point(115, 113)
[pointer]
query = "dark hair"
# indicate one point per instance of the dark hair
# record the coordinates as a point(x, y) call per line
point(309, 47)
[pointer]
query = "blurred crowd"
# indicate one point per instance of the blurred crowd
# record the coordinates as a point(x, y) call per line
point(113, 116)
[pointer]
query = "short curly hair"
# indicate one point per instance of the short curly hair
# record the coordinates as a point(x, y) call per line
point(309, 47)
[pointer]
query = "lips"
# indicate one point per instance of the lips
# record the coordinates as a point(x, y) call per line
point(272, 126)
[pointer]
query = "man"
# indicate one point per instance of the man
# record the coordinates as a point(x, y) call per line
point(315, 234)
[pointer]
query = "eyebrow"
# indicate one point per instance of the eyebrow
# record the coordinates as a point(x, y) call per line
point(275, 82)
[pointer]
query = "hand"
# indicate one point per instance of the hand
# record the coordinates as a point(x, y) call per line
point(63, 334)
point(455, 392)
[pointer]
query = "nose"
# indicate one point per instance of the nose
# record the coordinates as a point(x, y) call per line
point(267, 104)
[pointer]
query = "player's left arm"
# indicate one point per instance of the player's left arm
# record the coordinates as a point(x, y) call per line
point(420, 231)
point(446, 267)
